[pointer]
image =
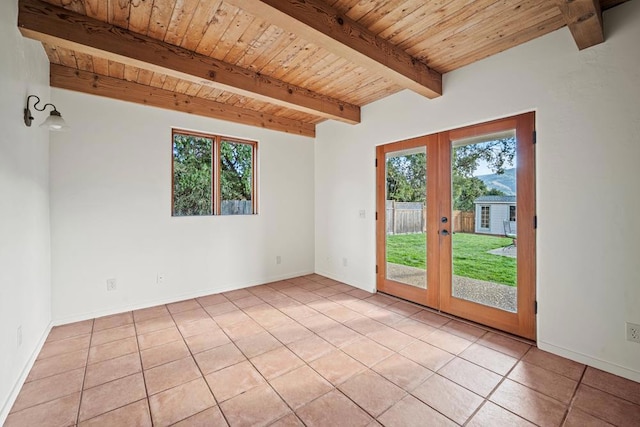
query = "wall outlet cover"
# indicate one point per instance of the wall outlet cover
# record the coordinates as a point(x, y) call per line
point(633, 332)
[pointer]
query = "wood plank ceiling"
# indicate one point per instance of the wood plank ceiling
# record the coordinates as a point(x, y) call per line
point(283, 65)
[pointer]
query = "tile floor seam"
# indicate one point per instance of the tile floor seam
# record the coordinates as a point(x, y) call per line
point(406, 393)
point(204, 378)
point(497, 386)
point(334, 387)
point(84, 376)
point(573, 397)
point(110, 410)
point(542, 392)
point(155, 330)
point(262, 375)
point(27, 380)
point(478, 409)
point(252, 364)
point(435, 409)
point(575, 390)
point(575, 394)
point(474, 413)
point(43, 402)
point(461, 385)
point(595, 387)
point(144, 379)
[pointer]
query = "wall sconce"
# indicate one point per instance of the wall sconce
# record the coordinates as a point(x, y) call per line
point(54, 122)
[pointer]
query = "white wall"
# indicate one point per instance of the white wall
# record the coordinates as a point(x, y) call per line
point(111, 211)
point(24, 206)
point(588, 122)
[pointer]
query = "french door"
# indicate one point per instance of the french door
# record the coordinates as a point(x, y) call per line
point(456, 222)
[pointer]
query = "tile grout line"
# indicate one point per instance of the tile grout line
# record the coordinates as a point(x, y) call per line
point(86, 368)
point(367, 368)
point(573, 397)
point(240, 350)
point(12, 411)
point(144, 378)
point(334, 387)
point(504, 378)
point(115, 379)
point(293, 411)
point(283, 344)
point(217, 404)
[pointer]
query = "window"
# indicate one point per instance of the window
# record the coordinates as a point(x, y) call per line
point(484, 217)
point(212, 175)
point(512, 213)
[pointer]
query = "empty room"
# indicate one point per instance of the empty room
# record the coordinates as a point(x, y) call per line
point(319, 213)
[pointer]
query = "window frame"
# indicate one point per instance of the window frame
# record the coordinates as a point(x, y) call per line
point(216, 167)
point(512, 213)
point(482, 208)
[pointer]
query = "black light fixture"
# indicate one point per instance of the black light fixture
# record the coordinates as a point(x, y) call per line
point(54, 122)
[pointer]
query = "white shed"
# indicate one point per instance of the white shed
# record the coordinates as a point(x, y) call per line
point(492, 211)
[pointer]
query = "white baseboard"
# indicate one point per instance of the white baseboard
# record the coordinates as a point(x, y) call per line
point(371, 289)
point(4, 412)
point(63, 320)
point(591, 361)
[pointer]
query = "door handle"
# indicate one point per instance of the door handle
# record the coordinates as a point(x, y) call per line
point(444, 232)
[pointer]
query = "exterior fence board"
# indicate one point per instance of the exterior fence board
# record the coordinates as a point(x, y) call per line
point(236, 207)
point(405, 217)
point(464, 222)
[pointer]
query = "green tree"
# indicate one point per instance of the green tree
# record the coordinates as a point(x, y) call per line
point(465, 191)
point(236, 173)
point(406, 180)
point(192, 175)
point(497, 155)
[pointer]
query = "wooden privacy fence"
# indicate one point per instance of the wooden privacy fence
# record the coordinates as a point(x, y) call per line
point(236, 207)
point(464, 222)
point(406, 217)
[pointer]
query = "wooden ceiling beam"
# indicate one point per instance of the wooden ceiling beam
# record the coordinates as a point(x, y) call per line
point(321, 24)
point(111, 87)
point(584, 19)
point(60, 27)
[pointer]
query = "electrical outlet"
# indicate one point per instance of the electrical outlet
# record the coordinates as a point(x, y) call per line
point(633, 332)
point(19, 335)
point(278, 259)
point(160, 278)
point(362, 214)
point(111, 284)
point(344, 262)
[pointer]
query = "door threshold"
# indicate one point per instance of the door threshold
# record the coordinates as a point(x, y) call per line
point(461, 319)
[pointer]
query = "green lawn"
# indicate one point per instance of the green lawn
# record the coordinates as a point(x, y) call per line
point(470, 257)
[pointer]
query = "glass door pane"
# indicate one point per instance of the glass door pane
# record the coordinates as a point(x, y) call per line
point(406, 216)
point(484, 254)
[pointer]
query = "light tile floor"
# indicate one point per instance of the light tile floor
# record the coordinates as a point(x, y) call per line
point(307, 351)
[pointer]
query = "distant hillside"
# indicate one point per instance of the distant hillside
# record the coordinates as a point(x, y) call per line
point(505, 182)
